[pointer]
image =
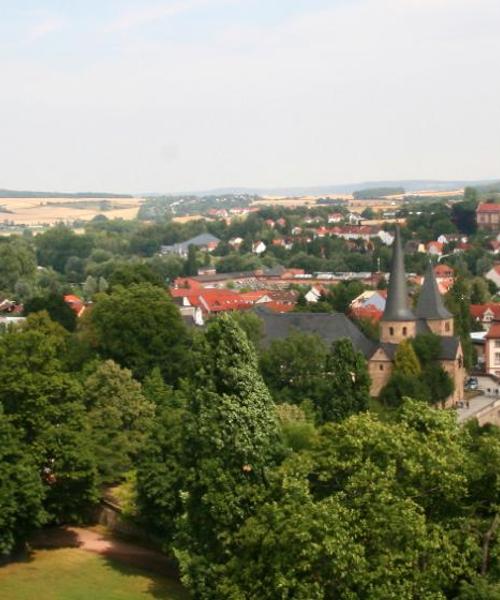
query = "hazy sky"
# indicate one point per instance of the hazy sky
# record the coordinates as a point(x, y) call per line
point(173, 95)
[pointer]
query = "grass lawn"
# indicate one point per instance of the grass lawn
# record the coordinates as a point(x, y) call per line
point(73, 574)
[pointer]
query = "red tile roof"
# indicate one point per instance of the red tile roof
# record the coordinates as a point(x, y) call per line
point(477, 310)
point(488, 207)
point(494, 331)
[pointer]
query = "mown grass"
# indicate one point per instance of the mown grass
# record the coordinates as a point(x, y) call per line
point(73, 574)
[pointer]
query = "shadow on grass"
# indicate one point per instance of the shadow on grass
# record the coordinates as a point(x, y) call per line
point(50, 538)
point(163, 581)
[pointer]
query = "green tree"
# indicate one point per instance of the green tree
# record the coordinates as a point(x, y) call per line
point(405, 360)
point(58, 244)
point(402, 386)
point(17, 262)
point(231, 441)
point(44, 404)
point(140, 328)
point(373, 511)
point(21, 490)
point(57, 309)
point(458, 302)
point(127, 274)
point(294, 368)
point(161, 469)
point(348, 383)
point(90, 287)
point(191, 265)
point(120, 418)
point(479, 292)
point(439, 383)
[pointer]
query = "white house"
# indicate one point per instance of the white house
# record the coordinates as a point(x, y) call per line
point(313, 295)
point(494, 275)
point(259, 247)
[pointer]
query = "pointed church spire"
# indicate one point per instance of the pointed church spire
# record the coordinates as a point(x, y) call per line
point(430, 304)
point(396, 307)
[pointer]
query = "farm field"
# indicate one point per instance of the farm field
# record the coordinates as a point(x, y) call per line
point(47, 211)
point(75, 574)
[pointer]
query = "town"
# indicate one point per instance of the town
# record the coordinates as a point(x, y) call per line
point(249, 300)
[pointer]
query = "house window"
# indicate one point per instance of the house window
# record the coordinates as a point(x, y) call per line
point(381, 367)
point(405, 331)
point(391, 330)
point(497, 343)
point(447, 327)
point(497, 358)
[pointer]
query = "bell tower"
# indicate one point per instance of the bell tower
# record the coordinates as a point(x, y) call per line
point(430, 307)
point(398, 321)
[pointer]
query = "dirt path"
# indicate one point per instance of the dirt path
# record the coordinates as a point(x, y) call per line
point(93, 540)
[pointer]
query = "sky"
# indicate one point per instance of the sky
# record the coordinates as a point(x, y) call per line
point(181, 95)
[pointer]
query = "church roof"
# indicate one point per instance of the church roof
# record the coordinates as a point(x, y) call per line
point(448, 348)
point(430, 303)
point(396, 307)
point(329, 326)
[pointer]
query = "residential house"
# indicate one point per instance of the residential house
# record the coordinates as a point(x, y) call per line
point(335, 217)
point(488, 216)
point(435, 248)
point(258, 247)
point(492, 350)
point(205, 242)
point(485, 314)
point(494, 275)
point(76, 304)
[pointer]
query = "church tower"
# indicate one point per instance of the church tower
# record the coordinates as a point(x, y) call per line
point(430, 307)
point(398, 321)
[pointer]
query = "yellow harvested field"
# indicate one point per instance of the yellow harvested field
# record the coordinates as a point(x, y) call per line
point(295, 201)
point(48, 211)
point(189, 218)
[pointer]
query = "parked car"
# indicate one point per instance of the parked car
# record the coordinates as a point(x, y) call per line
point(472, 384)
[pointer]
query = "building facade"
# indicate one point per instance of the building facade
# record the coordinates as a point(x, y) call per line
point(399, 322)
point(488, 216)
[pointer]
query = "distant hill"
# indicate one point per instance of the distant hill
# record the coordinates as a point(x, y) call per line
point(413, 185)
point(30, 194)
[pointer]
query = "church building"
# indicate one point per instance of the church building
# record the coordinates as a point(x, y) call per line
point(399, 322)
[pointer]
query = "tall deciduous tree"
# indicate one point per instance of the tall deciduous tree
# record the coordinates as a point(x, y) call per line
point(120, 418)
point(44, 403)
point(141, 328)
point(348, 383)
point(230, 443)
point(372, 511)
point(405, 360)
point(21, 489)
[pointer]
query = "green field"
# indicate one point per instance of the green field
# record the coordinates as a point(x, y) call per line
point(72, 574)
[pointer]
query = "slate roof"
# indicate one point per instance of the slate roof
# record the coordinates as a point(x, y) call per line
point(396, 307)
point(200, 240)
point(449, 348)
point(329, 326)
point(430, 303)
